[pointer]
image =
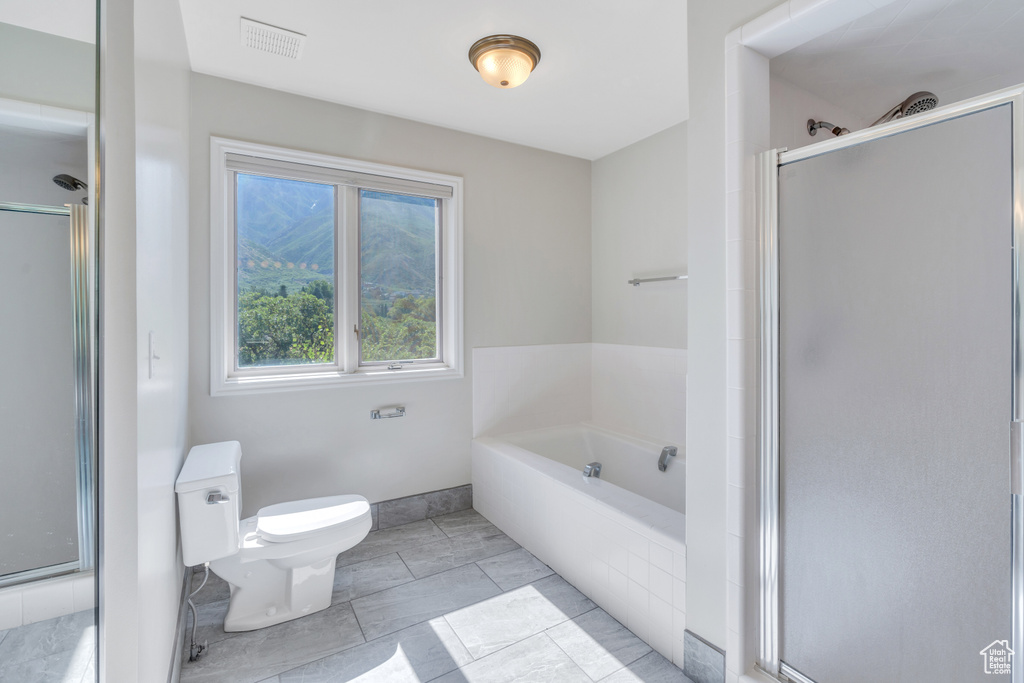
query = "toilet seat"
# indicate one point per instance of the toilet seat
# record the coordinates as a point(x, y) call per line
point(297, 519)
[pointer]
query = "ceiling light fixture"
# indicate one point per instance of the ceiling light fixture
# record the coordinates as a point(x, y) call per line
point(504, 61)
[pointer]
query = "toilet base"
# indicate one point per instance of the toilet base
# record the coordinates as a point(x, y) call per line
point(264, 594)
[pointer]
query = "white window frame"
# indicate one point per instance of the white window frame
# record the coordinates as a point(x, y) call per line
point(349, 174)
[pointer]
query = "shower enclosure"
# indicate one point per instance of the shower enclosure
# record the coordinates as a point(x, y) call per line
point(892, 394)
point(47, 499)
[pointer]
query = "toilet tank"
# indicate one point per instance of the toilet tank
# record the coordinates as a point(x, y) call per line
point(209, 502)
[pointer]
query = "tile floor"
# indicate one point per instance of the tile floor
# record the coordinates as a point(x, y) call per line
point(57, 650)
point(449, 599)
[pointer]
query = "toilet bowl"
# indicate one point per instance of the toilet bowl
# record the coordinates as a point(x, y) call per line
point(280, 563)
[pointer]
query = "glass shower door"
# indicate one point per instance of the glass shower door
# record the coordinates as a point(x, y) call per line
point(46, 453)
point(895, 365)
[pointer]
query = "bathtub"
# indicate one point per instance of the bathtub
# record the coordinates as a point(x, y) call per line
point(620, 539)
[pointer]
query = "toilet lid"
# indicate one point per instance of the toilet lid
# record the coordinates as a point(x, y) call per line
point(301, 518)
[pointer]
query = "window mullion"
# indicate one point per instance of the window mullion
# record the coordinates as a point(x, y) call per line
point(349, 276)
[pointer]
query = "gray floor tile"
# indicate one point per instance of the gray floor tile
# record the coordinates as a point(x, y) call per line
point(510, 617)
point(387, 541)
point(210, 628)
point(272, 679)
point(441, 555)
point(418, 653)
point(63, 667)
point(3, 634)
point(215, 590)
point(536, 659)
point(89, 675)
point(46, 638)
point(396, 608)
point(652, 668)
point(363, 578)
point(461, 522)
point(598, 643)
point(514, 569)
point(254, 655)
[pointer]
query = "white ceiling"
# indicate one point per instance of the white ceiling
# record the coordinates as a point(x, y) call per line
point(954, 48)
point(610, 73)
point(75, 19)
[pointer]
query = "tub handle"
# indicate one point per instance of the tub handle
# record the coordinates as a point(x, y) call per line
point(666, 453)
point(399, 411)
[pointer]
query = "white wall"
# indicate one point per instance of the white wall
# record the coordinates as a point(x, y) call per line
point(638, 204)
point(708, 23)
point(119, 530)
point(48, 69)
point(791, 106)
point(162, 212)
point(144, 287)
point(527, 281)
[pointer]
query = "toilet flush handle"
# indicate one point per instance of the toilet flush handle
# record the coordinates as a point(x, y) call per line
point(216, 497)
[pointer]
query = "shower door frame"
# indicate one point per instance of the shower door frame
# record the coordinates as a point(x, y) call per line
point(767, 217)
point(81, 278)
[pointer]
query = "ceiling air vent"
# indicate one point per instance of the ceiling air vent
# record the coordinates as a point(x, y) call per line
point(267, 38)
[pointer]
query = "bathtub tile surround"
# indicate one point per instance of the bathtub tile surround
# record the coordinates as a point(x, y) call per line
point(705, 663)
point(636, 390)
point(516, 388)
point(419, 507)
point(59, 649)
point(433, 628)
point(640, 391)
point(624, 552)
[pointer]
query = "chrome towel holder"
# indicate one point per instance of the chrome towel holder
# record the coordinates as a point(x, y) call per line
point(636, 282)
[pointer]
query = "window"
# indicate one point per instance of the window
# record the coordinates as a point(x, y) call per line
point(328, 270)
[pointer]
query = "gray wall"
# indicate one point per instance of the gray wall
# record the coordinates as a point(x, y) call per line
point(48, 69)
point(527, 281)
point(638, 204)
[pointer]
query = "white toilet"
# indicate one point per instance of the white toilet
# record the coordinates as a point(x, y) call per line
point(280, 563)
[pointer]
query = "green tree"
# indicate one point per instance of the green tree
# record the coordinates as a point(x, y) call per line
point(284, 329)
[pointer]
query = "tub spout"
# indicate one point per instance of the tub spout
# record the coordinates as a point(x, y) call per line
point(592, 470)
point(666, 453)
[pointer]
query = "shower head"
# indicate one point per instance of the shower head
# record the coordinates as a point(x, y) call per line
point(915, 104)
point(69, 182)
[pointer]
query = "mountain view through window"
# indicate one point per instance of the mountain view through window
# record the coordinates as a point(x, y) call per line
point(286, 272)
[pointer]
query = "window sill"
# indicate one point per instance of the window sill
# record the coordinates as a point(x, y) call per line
point(265, 384)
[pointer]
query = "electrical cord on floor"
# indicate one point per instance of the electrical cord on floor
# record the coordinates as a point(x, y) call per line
point(196, 651)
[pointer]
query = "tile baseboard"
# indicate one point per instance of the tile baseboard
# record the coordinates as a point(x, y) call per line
point(702, 661)
point(390, 513)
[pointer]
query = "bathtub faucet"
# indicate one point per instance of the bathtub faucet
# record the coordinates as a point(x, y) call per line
point(592, 470)
point(666, 453)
